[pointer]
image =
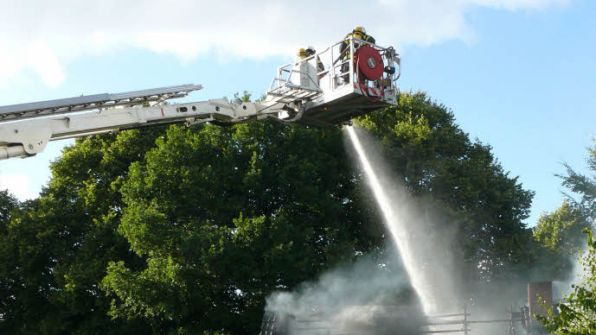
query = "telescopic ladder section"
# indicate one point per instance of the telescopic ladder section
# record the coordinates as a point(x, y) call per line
point(96, 101)
point(325, 89)
point(29, 135)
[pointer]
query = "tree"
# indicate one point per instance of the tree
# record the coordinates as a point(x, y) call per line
point(583, 186)
point(437, 159)
point(187, 230)
point(224, 216)
point(560, 239)
point(577, 314)
point(561, 230)
point(55, 250)
point(8, 204)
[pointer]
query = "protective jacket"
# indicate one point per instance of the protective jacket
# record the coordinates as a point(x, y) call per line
point(343, 49)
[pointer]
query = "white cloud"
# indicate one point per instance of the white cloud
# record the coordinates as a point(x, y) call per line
point(48, 66)
point(18, 184)
point(42, 36)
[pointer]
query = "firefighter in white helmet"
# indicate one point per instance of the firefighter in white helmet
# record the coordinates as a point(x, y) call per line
point(310, 51)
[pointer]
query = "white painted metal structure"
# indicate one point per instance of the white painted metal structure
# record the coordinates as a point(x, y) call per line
point(324, 89)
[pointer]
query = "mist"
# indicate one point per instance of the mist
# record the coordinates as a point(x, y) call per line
point(370, 296)
point(562, 288)
point(415, 277)
point(419, 277)
point(426, 249)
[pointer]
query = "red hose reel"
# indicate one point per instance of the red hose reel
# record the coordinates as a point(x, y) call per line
point(369, 63)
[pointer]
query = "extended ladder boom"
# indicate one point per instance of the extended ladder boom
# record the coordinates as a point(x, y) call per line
point(96, 101)
point(347, 79)
point(30, 136)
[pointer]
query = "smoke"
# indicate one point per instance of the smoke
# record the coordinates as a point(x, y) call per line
point(563, 288)
point(425, 233)
point(392, 294)
point(495, 301)
point(420, 277)
point(369, 296)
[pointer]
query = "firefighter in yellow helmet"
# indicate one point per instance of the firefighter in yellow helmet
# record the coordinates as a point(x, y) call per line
point(359, 35)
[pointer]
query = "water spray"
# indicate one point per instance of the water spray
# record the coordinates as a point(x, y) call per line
point(428, 267)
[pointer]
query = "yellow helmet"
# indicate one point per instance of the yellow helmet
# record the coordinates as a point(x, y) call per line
point(359, 29)
point(302, 52)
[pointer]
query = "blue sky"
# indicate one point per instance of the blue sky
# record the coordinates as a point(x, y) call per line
point(518, 74)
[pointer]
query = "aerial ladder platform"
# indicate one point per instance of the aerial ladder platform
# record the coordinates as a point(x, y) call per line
point(328, 88)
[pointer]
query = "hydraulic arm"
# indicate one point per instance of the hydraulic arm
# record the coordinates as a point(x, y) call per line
point(325, 89)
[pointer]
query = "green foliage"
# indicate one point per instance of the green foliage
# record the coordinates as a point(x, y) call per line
point(577, 314)
point(583, 186)
point(223, 216)
point(561, 230)
point(187, 230)
point(558, 242)
point(8, 203)
point(437, 159)
point(55, 249)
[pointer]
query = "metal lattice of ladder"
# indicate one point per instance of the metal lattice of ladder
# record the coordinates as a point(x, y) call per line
point(95, 101)
point(295, 82)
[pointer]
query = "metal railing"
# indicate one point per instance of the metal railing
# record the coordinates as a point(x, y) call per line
point(329, 70)
point(460, 323)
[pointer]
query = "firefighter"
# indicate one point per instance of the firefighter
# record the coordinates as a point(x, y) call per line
point(310, 51)
point(304, 73)
point(359, 34)
point(302, 54)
